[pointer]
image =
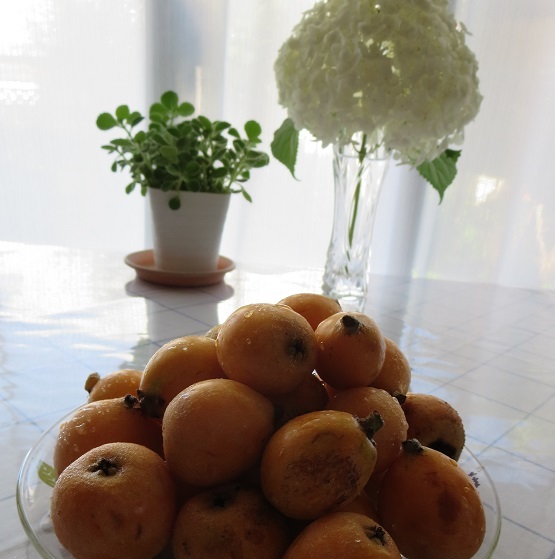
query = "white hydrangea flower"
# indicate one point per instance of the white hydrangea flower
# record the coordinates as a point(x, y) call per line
point(396, 70)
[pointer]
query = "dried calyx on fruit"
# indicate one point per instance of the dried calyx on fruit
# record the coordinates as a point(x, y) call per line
point(371, 424)
point(105, 466)
point(351, 324)
point(413, 446)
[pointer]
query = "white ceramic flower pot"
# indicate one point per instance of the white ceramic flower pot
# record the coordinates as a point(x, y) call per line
point(187, 240)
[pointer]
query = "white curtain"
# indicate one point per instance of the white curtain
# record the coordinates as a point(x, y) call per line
point(497, 224)
point(62, 62)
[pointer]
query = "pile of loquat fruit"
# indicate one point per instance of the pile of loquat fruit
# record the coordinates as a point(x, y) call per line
point(287, 432)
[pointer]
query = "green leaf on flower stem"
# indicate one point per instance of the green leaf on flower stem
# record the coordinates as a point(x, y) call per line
point(46, 473)
point(285, 145)
point(441, 172)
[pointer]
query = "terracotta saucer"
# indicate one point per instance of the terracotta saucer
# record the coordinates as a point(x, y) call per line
point(143, 263)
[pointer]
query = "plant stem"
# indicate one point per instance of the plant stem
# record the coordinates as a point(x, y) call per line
point(237, 171)
point(354, 211)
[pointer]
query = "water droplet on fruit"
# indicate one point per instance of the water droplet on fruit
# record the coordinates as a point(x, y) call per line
point(81, 428)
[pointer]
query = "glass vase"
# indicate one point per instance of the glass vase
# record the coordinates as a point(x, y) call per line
point(357, 183)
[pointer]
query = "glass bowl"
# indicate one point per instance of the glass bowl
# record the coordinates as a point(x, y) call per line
point(35, 480)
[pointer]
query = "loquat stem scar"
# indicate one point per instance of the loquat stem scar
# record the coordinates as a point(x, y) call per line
point(105, 466)
point(350, 324)
point(130, 401)
point(371, 424)
point(413, 446)
point(375, 533)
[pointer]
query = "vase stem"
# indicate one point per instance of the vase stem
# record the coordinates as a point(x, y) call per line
point(358, 178)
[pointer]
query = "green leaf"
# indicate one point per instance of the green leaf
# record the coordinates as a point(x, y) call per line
point(105, 121)
point(185, 109)
point(134, 118)
point(169, 99)
point(159, 138)
point(193, 185)
point(285, 145)
point(169, 153)
point(140, 136)
point(440, 172)
point(122, 143)
point(157, 118)
point(157, 108)
point(47, 473)
point(219, 172)
point(158, 113)
point(253, 130)
point(192, 169)
point(218, 154)
point(175, 203)
point(239, 144)
point(122, 112)
point(130, 187)
point(173, 170)
point(204, 122)
point(220, 126)
point(246, 195)
point(257, 159)
point(220, 142)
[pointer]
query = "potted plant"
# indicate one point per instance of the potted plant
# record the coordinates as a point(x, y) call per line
point(188, 166)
